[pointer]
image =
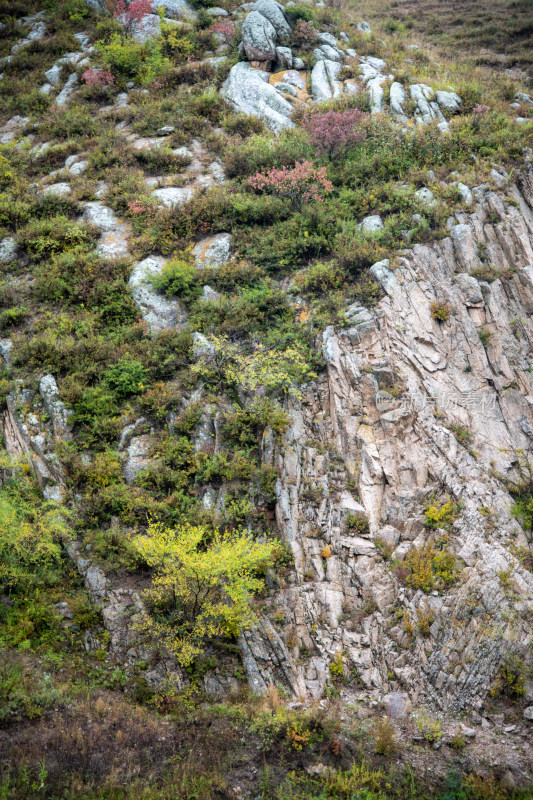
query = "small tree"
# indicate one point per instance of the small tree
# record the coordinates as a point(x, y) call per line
point(204, 582)
point(301, 184)
point(333, 131)
point(131, 13)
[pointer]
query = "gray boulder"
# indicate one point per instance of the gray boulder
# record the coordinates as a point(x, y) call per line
point(284, 57)
point(158, 312)
point(324, 83)
point(363, 27)
point(397, 100)
point(263, 29)
point(213, 251)
point(248, 91)
point(274, 13)
point(174, 9)
point(8, 250)
point(259, 38)
point(63, 98)
point(58, 413)
point(450, 101)
point(371, 224)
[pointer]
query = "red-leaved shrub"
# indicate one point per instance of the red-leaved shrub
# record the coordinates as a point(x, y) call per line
point(300, 185)
point(102, 78)
point(132, 12)
point(224, 29)
point(333, 131)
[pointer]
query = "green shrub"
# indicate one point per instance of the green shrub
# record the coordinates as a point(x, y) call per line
point(29, 537)
point(179, 278)
point(129, 59)
point(125, 378)
point(45, 237)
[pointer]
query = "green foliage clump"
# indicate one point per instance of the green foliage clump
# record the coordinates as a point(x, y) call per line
point(441, 516)
point(43, 238)
point(125, 378)
point(30, 534)
point(428, 569)
point(178, 278)
point(128, 59)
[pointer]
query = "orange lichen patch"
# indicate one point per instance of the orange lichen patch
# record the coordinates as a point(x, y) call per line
point(277, 77)
point(301, 315)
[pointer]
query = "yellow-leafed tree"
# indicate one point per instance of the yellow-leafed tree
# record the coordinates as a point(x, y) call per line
point(202, 586)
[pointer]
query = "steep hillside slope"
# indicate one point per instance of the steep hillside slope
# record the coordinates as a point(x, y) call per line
point(265, 488)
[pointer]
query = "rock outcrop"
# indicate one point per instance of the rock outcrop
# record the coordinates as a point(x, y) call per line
point(374, 441)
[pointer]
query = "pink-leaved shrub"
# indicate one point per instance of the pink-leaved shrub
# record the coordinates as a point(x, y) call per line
point(223, 29)
point(102, 78)
point(131, 13)
point(332, 131)
point(302, 184)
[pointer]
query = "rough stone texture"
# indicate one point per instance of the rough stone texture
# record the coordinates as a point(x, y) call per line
point(159, 312)
point(8, 250)
point(173, 196)
point(174, 9)
point(249, 91)
point(212, 251)
point(57, 411)
point(392, 461)
point(58, 189)
point(371, 224)
point(397, 100)
point(263, 29)
point(63, 98)
point(324, 83)
point(450, 101)
point(137, 456)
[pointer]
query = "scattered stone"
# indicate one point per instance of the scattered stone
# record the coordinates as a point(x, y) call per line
point(97, 214)
point(53, 75)
point(174, 9)
point(215, 11)
point(8, 250)
point(363, 27)
point(397, 705)
point(528, 713)
point(6, 346)
point(324, 83)
point(465, 192)
point(159, 313)
point(213, 251)
point(450, 101)
point(397, 100)
point(202, 347)
point(371, 224)
point(166, 130)
point(209, 295)
point(138, 456)
point(57, 189)
point(65, 94)
point(173, 196)
point(78, 168)
point(425, 196)
point(57, 411)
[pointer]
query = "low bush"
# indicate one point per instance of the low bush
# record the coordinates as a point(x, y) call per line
point(43, 238)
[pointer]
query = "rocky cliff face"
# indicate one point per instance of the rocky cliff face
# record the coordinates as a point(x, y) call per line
point(374, 440)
